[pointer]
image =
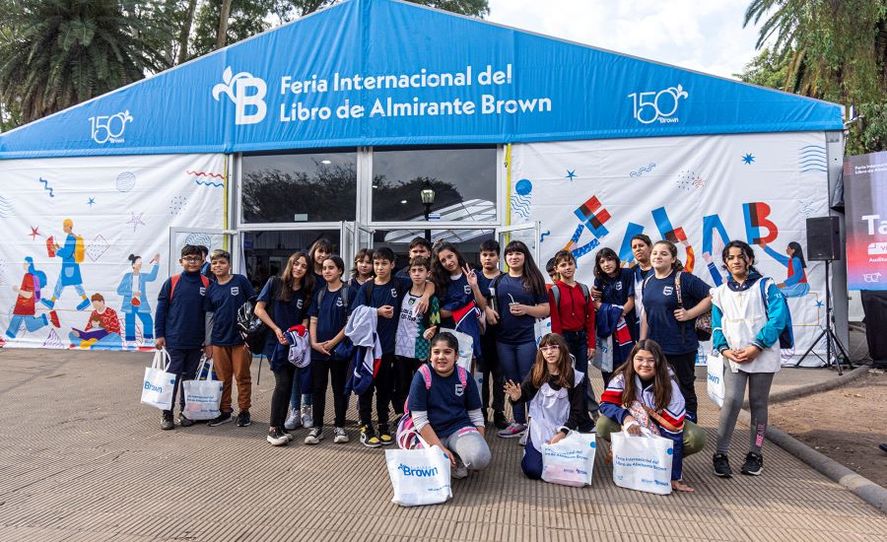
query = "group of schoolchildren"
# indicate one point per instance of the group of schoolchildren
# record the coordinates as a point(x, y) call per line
point(635, 324)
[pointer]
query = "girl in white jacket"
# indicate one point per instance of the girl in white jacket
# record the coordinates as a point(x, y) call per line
point(747, 319)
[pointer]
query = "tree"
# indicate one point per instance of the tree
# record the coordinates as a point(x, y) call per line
point(62, 52)
point(246, 18)
point(834, 50)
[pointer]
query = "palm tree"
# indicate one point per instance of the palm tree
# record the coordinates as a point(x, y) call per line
point(61, 52)
point(832, 49)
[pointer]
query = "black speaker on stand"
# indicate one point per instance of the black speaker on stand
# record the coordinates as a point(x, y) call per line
point(824, 245)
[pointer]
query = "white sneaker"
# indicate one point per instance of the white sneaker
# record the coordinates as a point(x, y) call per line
point(293, 420)
point(307, 416)
point(460, 472)
point(514, 430)
point(341, 437)
point(276, 437)
point(314, 436)
point(523, 439)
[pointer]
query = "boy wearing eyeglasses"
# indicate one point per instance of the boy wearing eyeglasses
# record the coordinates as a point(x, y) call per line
point(180, 325)
point(231, 358)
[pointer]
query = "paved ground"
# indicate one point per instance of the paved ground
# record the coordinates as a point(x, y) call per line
point(80, 459)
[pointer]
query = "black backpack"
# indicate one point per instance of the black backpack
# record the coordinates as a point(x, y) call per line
point(252, 329)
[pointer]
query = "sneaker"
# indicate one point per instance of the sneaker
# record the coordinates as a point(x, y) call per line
point(185, 422)
point(288, 435)
point(523, 439)
point(293, 420)
point(460, 472)
point(722, 466)
point(307, 416)
point(340, 436)
point(514, 430)
point(224, 417)
point(243, 419)
point(277, 437)
point(83, 304)
point(314, 436)
point(500, 421)
point(166, 422)
point(385, 436)
point(754, 464)
point(368, 437)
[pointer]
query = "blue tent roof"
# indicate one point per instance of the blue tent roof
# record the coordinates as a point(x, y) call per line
point(385, 72)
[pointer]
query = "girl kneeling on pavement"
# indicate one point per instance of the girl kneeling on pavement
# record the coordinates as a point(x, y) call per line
point(447, 413)
point(557, 397)
point(644, 393)
point(748, 314)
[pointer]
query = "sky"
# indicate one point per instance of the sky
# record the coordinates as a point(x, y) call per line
point(703, 35)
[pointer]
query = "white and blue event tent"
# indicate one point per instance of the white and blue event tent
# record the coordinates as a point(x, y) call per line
point(587, 148)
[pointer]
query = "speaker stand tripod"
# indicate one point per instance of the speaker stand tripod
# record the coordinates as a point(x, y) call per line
point(829, 334)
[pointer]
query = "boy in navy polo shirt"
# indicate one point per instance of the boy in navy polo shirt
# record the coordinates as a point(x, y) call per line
point(384, 293)
point(230, 355)
point(179, 321)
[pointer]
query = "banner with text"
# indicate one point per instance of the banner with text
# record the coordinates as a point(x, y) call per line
point(700, 192)
point(379, 72)
point(865, 194)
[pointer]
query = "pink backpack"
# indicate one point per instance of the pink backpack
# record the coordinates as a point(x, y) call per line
point(406, 436)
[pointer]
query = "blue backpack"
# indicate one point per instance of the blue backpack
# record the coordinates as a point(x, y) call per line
point(786, 336)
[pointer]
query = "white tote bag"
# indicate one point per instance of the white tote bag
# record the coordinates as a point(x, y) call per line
point(420, 476)
point(570, 462)
point(541, 328)
point(715, 387)
point(202, 396)
point(158, 384)
point(642, 463)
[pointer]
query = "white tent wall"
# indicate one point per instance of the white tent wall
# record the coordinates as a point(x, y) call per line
point(754, 186)
point(118, 206)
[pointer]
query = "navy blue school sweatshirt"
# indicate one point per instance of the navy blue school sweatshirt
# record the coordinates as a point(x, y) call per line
point(181, 320)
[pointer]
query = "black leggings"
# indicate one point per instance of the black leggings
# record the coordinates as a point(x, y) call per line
point(684, 366)
point(322, 372)
point(280, 399)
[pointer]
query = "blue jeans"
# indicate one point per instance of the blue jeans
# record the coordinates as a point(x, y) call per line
point(130, 322)
point(302, 386)
point(32, 324)
point(516, 361)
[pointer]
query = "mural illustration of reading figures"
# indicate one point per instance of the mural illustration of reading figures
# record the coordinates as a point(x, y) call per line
point(71, 254)
point(795, 284)
point(133, 289)
point(102, 331)
point(25, 311)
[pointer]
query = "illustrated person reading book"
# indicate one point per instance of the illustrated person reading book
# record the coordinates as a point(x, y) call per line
point(102, 328)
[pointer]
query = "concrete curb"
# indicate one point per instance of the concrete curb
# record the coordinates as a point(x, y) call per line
point(860, 486)
point(803, 391)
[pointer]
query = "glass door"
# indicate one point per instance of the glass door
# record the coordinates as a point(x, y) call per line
point(528, 233)
point(210, 238)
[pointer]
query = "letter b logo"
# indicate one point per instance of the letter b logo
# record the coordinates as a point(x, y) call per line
point(247, 93)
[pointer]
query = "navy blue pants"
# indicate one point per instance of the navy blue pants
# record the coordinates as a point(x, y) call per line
point(182, 363)
point(577, 341)
point(531, 464)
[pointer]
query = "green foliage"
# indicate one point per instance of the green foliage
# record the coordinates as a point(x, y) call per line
point(834, 50)
point(869, 133)
point(56, 53)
